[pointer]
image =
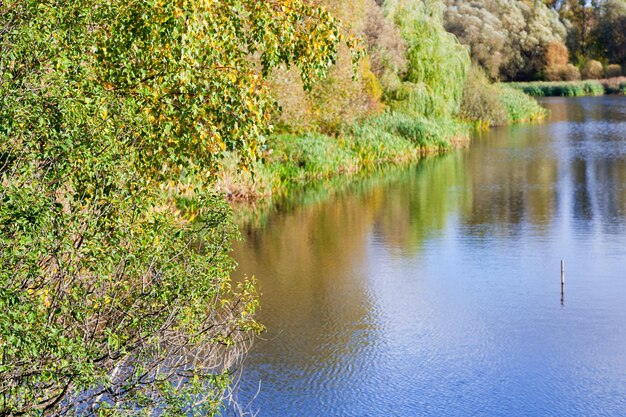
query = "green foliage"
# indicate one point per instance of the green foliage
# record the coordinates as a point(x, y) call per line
point(114, 266)
point(481, 104)
point(558, 89)
point(520, 108)
point(349, 91)
point(437, 63)
point(610, 31)
point(389, 138)
point(506, 37)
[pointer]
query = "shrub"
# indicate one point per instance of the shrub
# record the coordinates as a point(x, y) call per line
point(567, 72)
point(555, 54)
point(615, 85)
point(437, 63)
point(520, 107)
point(613, 70)
point(592, 70)
point(480, 100)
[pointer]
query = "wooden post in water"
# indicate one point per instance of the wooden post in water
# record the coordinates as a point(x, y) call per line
point(562, 282)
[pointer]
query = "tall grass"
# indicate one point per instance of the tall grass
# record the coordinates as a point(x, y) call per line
point(561, 88)
point(297, 160)
point(520, 108)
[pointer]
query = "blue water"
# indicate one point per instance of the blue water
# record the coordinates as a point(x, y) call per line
point(435, 290)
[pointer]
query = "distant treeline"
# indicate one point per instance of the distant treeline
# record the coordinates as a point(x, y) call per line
point(552, 40)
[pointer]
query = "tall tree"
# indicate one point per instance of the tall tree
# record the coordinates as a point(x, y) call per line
point(115, 297)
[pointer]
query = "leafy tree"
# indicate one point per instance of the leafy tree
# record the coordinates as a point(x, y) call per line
point(437, 64)
point(115, 295)
point(348, 92)
point(611, 31)
point(507, 38)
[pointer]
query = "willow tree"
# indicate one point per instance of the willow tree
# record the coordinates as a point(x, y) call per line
point(114, 270)
point(437, 63)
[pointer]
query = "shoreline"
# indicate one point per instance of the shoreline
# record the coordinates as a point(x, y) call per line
point(300, 160)
point(606, 86)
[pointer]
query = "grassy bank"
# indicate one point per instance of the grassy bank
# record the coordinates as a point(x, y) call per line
point(296, 160)
point(486, 104)
point(520, 108)
point(391, 138)
point(572, 88)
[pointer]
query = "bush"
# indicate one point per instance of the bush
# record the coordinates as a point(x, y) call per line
point(615, 85)
point(555, 54)
point(613, 70)
point(566, 72)
point(592, 70)
point(520, 107)
point(437, 63)
point(561, 89)
point(480, 100)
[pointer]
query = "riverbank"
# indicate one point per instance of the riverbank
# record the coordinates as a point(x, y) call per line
point(390, 138)
point(615, 85)
point(294, 160)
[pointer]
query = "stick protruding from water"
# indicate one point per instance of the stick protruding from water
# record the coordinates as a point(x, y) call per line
point(562, 272)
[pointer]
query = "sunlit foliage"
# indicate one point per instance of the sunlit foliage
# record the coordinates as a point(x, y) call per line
point(506, 37)
point(437, 63)
point(115, 296)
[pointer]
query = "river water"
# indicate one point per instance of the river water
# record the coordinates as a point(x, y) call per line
point(436, 290)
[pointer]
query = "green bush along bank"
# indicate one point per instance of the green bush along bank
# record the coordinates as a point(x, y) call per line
point(294, 160)
point(485, 104)
point(572, 88)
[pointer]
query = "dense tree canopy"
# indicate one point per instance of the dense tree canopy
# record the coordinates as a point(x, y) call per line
point(506, 37)
point(509, 38)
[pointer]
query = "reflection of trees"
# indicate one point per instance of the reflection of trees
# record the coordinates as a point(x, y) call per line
point(513, 179)
point(419, 206)
point(304, 261)
point(583, 209)
point(610, 193)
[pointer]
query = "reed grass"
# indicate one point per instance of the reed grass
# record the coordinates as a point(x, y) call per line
point(572, 88)
point(390, 138)
point(520, 107)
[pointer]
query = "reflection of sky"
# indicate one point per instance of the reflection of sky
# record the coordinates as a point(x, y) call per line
point(440, 293)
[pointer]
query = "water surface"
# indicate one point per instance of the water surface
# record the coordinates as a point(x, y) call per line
point(435, 290)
